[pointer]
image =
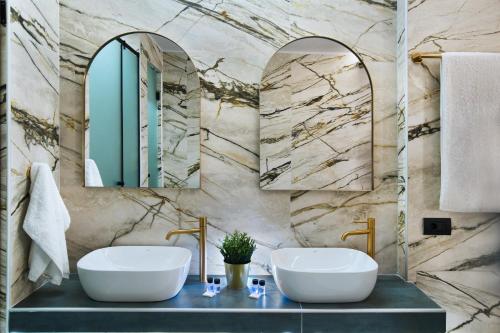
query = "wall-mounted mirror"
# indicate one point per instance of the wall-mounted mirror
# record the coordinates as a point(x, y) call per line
point(316, 106)
point(142, 115)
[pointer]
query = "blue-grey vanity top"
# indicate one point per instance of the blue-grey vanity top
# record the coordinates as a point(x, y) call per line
point(394, 306)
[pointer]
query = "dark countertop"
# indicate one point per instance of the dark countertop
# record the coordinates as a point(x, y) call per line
point(391, 292)
point(391, 296)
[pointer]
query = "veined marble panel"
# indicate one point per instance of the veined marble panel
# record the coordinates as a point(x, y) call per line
point(181, 121)
point(470, 306)
point(369, 29)
point(316, 123)
point(459, 271)
point(276, 124)
point(229, 43)
point(193, 102)
point(33, 118)
point(331, 123)
point(402, 107)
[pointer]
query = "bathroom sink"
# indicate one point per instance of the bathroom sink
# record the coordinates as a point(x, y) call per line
point(324, 275)
point(134, 273)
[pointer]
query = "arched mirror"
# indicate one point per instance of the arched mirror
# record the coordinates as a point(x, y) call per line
point(142, 115)
point(316, 106)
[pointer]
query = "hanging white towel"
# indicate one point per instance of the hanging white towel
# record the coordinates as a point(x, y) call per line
point(470, 132)
point(45, 222)
point(92, 174)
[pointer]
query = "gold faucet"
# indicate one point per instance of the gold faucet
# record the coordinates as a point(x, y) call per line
point(370, 232)
point(202, 230)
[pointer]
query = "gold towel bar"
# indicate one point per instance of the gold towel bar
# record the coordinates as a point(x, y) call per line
point(417, 57)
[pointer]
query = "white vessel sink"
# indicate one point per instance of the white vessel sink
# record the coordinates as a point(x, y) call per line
point(134, 273)
point(324, 275)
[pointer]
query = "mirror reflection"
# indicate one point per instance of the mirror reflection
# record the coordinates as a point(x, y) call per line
point(142, 115)
point(316, 119)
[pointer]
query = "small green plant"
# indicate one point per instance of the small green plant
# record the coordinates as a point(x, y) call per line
point(237, 248)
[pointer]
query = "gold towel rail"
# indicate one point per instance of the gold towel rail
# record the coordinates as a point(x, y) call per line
point(417, 57)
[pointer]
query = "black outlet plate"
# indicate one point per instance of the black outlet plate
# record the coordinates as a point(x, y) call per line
point(3, 12)
point(437, 226)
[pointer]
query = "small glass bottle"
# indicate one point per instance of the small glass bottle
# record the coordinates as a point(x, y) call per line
point(255, 286)
point(262, 287)
point(217, 285)
point(210, 284)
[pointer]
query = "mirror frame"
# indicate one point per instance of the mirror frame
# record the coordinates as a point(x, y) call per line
point(85, 111)
point(372, 105)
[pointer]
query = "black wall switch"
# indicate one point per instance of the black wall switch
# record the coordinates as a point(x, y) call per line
point(437, 226)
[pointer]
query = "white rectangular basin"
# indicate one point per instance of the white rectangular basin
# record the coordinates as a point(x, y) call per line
point(324, 275)
point(134, 273)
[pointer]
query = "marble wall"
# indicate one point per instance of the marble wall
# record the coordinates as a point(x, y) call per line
point(402, 109)
point(193, 129)
point(181, 121)
point(230, 43)
point(33, 118)
point(462, 271)
point(316, 122)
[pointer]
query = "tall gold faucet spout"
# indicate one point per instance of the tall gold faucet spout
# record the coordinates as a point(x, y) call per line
point(352, 233)
point(202, 231)
point(181, 232)
point(370, 232)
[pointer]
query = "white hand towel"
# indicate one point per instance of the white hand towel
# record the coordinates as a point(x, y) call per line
point(92, 174)
point(45, 222)
point(470, 132)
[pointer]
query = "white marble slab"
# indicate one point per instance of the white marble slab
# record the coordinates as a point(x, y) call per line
point(459, 271)
point(181, 121)
point(230, 44)
point(33, 119)
point(316, 122)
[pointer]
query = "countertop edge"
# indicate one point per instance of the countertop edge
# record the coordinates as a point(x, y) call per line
point(232, 310)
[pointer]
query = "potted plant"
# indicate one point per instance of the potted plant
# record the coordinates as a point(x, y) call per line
point(237, 249)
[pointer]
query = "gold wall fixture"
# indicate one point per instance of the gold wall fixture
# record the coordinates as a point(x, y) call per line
point(369, 231)
point(418, 57)
point(202, 231)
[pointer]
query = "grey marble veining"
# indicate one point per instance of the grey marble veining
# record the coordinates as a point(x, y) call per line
point(230, 194)
point(455, 271)
point(230, 43)
point(33, 118)
point(461, 272)
point(181, 121)
point(316, 123)
point(402, 108)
